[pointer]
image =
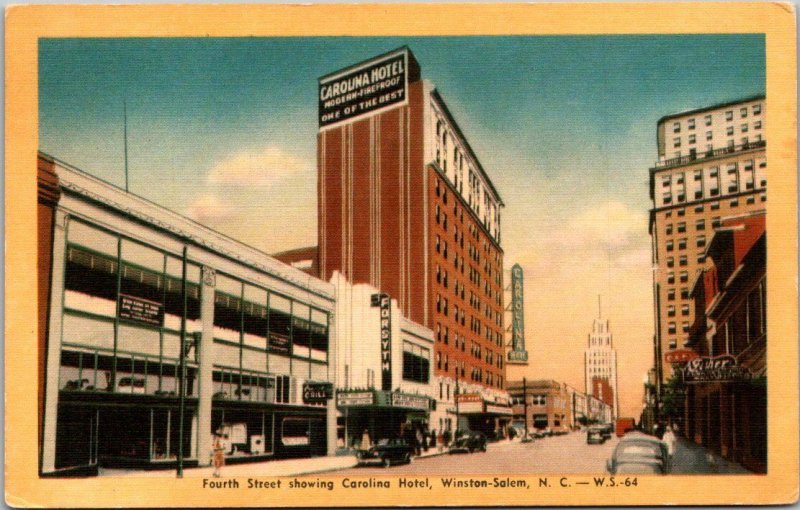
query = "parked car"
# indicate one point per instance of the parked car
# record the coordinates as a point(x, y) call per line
point(639, 454)
point(386, 452)
point(607, 429)
point(469, 442)
point(595, 435)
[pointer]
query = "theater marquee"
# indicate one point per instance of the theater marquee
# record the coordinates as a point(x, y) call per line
point(369, 87)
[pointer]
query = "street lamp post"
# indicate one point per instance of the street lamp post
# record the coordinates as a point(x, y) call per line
point(525, 404)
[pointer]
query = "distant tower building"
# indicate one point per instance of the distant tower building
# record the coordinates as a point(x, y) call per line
point(600, 364)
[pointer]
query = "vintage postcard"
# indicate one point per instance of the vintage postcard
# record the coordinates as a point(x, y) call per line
point(401, 255)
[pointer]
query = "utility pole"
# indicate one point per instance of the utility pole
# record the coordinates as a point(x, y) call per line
point(525, 403)
point(182, 369)
point(455, 434)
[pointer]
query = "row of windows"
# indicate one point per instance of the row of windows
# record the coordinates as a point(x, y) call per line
point(730, 146)
point(683, 260)
point(709, 135)
point(700, 241)
point(477, 374)
point(708, 119)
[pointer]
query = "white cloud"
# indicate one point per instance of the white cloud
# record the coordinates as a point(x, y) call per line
point(258, 168)
point(610, 225)
point(209, 208)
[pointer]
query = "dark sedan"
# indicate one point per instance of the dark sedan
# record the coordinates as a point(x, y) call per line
point(386, 452)
point(594, 435)
point(639, 454)
point(469, 442)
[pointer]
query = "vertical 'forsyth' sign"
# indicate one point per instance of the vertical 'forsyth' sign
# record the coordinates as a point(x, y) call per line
point(385, 305)
point(378, 83)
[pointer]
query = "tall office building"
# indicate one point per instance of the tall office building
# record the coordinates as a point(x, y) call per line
point(600, 365)
point(711, 164)
point(405, 205)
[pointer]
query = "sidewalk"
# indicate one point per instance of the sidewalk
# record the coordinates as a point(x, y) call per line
point(283, 467)
point(691, 458)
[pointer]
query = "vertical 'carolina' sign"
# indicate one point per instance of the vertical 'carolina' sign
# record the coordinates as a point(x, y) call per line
point(517, 354)
point(384, 304)
point(373, 85)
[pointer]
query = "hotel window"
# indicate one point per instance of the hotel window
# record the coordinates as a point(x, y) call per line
point(729, 115)
point(700, 224)
point(683, 261)
point(709, 135)
point(670, 245)
point(763, 198)
point(731, 145)
point(751, 200)
point(745, 141)
point(743, 112)
point(715, 206)
point(684, 276)
point(701, 241)
point(681, 227)
point(716, 222)
point(669, 229)
point(671, 328)
point(685, 326)
point(729, 131)
point(690, 123)
point(757, 124)
point(673, 344)
point(682, 243)
point(756, 109)
point(671, 295)
point(757, 138)
point(670, 278)
point(692, 139)
point(684, 309)
point(698, 209)
point(698, 175)
point(744, 128)
point(708, 120)
point(701, 258)
point(670, 261)
point(684, 293)
point(671, 311)
point(438, 243)
point(734, 203)
point(681, 212)
point(667, 198)
point(676, 142)
point(676, 127)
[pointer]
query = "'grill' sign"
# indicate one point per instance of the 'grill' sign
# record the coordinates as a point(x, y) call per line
point(371, 86)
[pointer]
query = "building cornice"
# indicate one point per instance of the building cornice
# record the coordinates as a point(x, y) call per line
point(710, 108)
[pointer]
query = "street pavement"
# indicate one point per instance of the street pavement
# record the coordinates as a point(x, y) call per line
point(568, 454)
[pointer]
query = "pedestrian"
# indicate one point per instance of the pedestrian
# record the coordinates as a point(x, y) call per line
point(433, 438)
point(218, 451)
point(418, 442)
point(447, 436)
point(669, 440)
point(365, 440)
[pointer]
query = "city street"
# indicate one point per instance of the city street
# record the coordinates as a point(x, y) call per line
point(568, 454)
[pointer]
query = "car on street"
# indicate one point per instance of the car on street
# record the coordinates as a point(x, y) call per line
point(640, 454)
point(469, 442)
point(386, 452)
point(595, 435)
point(607, 430)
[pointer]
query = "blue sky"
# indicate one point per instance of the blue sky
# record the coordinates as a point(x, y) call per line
point(565, 126)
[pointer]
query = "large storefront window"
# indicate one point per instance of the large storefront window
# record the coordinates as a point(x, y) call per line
point(245, 433)
point(123, 304)
point(250, 323)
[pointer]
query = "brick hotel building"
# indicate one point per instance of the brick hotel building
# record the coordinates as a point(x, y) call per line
point(405, 206)
point(711, 164)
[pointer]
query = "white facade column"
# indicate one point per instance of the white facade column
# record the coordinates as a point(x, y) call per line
point(205, 369)
point(333, 353)
point(54, 343)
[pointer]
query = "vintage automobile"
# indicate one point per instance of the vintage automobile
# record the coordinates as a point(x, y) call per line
point(468, 442)
point(639, 454)
point(607, 429)
point(595, 435)
point(386, 452)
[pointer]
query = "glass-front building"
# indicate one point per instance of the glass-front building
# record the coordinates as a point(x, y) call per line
point(127, 277)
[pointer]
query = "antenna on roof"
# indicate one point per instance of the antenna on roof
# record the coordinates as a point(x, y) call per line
point(125, 141)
